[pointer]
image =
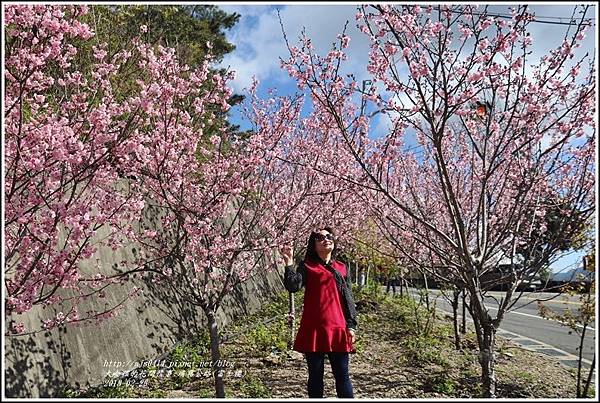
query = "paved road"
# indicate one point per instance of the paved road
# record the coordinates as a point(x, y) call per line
point(524, 325)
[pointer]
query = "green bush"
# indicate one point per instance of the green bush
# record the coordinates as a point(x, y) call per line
point(206, 393)
point(424, 319)
point(187, 357)
point(269, 337)
point(253, 387)
point(399, 311)
point(280, 305)
point(443, 384)
point(155, 393)
point(444, 331)
point(591, 391)
point(277, 309)
point(268, 330)
point(422, 350)
point(68, 393)
point(413, 316)
point(372, 290)
point(193, 351)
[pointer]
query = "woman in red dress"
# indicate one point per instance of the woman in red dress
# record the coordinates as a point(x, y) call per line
point(328, 324)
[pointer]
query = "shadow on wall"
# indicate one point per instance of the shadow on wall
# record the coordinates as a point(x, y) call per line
point(187, 320)
point(183, 319)
point(47, 364)
point(24, 350)
point(244, 297)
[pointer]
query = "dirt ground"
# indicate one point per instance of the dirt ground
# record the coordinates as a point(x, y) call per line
point(383, 368)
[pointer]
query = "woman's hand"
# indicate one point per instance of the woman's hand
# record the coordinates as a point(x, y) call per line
point(352, 335)
point(286, 253)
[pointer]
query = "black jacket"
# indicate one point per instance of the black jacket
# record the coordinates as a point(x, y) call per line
point(294, 280)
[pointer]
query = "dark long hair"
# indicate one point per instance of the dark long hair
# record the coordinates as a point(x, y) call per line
point(311, 252)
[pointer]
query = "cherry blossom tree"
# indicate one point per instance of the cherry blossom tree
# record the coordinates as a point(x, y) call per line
point(317, 170)
point(76, 143)
point(66, 139)
point(224, 203)
point(483, 141)
point(85, 158)
point(312, 194)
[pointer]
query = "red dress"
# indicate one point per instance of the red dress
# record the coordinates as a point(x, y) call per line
point(323, 326)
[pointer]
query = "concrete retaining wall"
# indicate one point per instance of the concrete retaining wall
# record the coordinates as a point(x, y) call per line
point(44, 364)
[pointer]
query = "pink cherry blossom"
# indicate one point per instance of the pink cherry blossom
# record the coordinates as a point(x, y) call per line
point(501, 139)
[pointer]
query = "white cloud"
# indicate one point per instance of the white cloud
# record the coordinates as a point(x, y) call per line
point(260, 42)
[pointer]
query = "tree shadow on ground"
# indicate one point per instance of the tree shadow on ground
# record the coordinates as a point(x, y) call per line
point(513, 390)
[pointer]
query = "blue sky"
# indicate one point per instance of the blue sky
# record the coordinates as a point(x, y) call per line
point(260, 45)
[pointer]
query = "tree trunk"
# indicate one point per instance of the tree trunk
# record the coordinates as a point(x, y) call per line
point(292, 319)
point(486, 340)
point(589, 377)
point(463, 327)
point(486, 360)
point(426, 290)
point(401, 286)
point(215, 354)
point(455, 297)
point(580, 358)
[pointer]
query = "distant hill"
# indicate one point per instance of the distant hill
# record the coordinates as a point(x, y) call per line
point(573, 275)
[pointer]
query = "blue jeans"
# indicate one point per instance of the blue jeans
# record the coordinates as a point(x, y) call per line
point(339, 367)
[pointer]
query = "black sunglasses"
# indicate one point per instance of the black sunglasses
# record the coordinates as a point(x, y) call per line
point(321, 237)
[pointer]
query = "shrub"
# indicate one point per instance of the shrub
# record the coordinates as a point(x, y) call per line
point(443, 384)
point(269, 337)
point(253, 387)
